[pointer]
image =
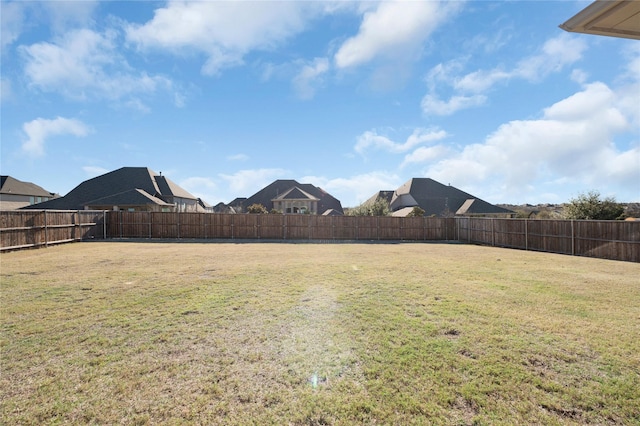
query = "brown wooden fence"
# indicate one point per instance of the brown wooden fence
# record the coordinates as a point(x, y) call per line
point(616, 240)
point(34, 228)
point(121, 224)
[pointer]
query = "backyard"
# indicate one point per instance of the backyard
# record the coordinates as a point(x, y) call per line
point(316, 334)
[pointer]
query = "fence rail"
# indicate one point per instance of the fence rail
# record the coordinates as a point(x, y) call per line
point(617, 240)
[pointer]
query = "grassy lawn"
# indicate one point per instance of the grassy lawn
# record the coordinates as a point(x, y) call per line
point(304, 334)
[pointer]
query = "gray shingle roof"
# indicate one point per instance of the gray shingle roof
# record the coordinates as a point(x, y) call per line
point(10, 185)
point(132, 197)
point(120, 181)
point(438, 199)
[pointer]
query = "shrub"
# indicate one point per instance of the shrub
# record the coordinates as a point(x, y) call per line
point(257, 208)
point(590, 206)
point(377, 208)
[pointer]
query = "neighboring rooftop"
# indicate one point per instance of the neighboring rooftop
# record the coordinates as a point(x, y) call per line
point(15, 194)
point(133, 188)
point(437, 199)
point(289, 188)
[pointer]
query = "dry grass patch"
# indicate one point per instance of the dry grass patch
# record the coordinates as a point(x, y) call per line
point(299, 334)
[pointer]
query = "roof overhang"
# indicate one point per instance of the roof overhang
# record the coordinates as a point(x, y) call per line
point(615, 18)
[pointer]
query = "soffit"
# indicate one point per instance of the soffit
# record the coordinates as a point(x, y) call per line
point(620, 18)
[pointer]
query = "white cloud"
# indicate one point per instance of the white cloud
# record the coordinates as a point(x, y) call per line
point(40, 129)
point(223, 31)
point(238, 157)
point(84, 64)
point(12, 22)
point(579, 76)
point(354, 190)
point(573, 141)
point(469, 90)
point(425, 154)
point(309, 77)
point(64, 15)
point(202, 187)
point(6, 92)
point(432, 105)
point(245, 183)
point(393, 29)
point(556, 53)
point(372, 140)
point(94, 171)
point(480, 81)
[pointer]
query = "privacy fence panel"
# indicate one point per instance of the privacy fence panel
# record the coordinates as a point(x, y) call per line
point(618, 240)
point(320, 227)
point(298, 227)
point(220, 225)
point(271, 226)
point(34, 228)
point(554, 236)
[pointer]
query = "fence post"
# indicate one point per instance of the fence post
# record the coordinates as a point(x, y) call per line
point(333, 228)
point(120, 223)
point(149, 220)
point(573, 240)
point(202, 215)
point(493, 232)
point(526, 234)
point(104, 224)
point(46, 231)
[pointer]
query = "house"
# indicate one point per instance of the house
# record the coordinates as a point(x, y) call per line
point(290, 197)
point(437, 199)
point(128, 188)
point(15, 194)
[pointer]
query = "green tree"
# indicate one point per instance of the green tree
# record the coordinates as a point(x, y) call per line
point(257, 208)
point(591, 206)
point(416, 212)
point(378, 208)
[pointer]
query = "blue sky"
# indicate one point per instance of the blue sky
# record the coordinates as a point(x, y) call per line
point(354, 97)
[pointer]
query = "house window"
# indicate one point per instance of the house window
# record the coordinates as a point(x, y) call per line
point(38, 199)
point(32, 200)
point(131, 209)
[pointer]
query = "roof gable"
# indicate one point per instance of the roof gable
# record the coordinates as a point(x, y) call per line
point(170, 188)
point(295, 193)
